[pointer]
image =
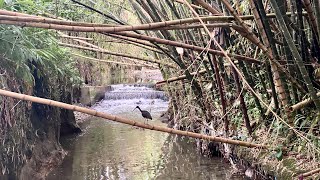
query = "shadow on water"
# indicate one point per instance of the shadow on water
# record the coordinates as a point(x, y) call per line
point(109, 150)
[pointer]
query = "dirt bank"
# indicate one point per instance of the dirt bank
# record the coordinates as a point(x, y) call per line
point(30, 132)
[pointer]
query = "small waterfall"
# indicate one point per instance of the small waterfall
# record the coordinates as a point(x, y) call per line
point(122, 91)
point(123, 98)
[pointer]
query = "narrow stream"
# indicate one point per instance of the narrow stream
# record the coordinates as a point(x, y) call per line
point(109, 150)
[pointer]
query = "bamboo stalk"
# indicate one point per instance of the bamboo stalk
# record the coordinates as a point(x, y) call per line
point(87, 27)
point(12, 13)
point(134, 40)
point(296, 55)
point(173, 79)
point(242, 103)
point(221, 93)
point(12, 16)
point(317, 11)
point(128, 121)
point(208, 7)
point(301, 104)
point(75, 37)
point(114, 62)
point(310, 173)
point(194, 6)
point(251, 83)
point(312, 18)
point(197, 26)
point(116, 54)
point(242, 77)
point(265, 31)
point(50, 20)
point(188, 46)
point(88, 44)
point(255, 40)
point(14, 20)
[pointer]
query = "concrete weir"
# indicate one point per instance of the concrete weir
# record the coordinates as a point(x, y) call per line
point(92, 94)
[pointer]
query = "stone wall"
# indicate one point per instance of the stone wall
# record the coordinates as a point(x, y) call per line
point(92, 94)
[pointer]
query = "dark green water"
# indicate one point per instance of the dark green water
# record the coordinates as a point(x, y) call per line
point(108, 150)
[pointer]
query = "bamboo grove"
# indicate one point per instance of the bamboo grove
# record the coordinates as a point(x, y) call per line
point(239, 69)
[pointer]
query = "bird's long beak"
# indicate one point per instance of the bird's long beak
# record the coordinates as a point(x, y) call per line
point(134, 109)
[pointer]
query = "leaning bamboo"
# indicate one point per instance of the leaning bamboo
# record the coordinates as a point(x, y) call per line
point(12, 13)
point(128, 121)
point(243, 106)
point(188, 46)
point(194, 6)
point(208, 7)
point(9, 15)
point(173, 79)
point(11, 20)
point(38, 19)
point(221, 92)
point(68, 26)
point(31, 18)
point(138, 41)
point(117, 54)
point(310, 173)
point(75, 37)
point(296, 54)
point(267, 38)
point(88, 44)
point(302, 104)
point(317, 12)
point(94, 46)
point(308, 6)
point(198, 26)
point(255, 40)
point(112, 62)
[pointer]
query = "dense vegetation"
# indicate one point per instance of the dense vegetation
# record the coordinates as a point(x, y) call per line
point(248, 66)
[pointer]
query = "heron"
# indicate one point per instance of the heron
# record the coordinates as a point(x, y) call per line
point(145, 114)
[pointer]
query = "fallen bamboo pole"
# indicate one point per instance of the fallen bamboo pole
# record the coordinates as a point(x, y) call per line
point(302, 104)
point(128, 121)
point(310, 173)
point(178, 78)
point(116, 54)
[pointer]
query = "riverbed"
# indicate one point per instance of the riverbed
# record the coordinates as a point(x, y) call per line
point(110, 150)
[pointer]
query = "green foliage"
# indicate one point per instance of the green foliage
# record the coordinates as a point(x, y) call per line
point(20, 46)
point(279, 154)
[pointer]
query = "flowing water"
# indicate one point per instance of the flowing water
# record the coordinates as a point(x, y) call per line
point(110, 150)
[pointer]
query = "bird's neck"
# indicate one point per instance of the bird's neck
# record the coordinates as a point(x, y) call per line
point(139, 108)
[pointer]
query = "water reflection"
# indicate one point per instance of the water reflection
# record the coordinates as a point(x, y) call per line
point(180, 160)
point(114, 151)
